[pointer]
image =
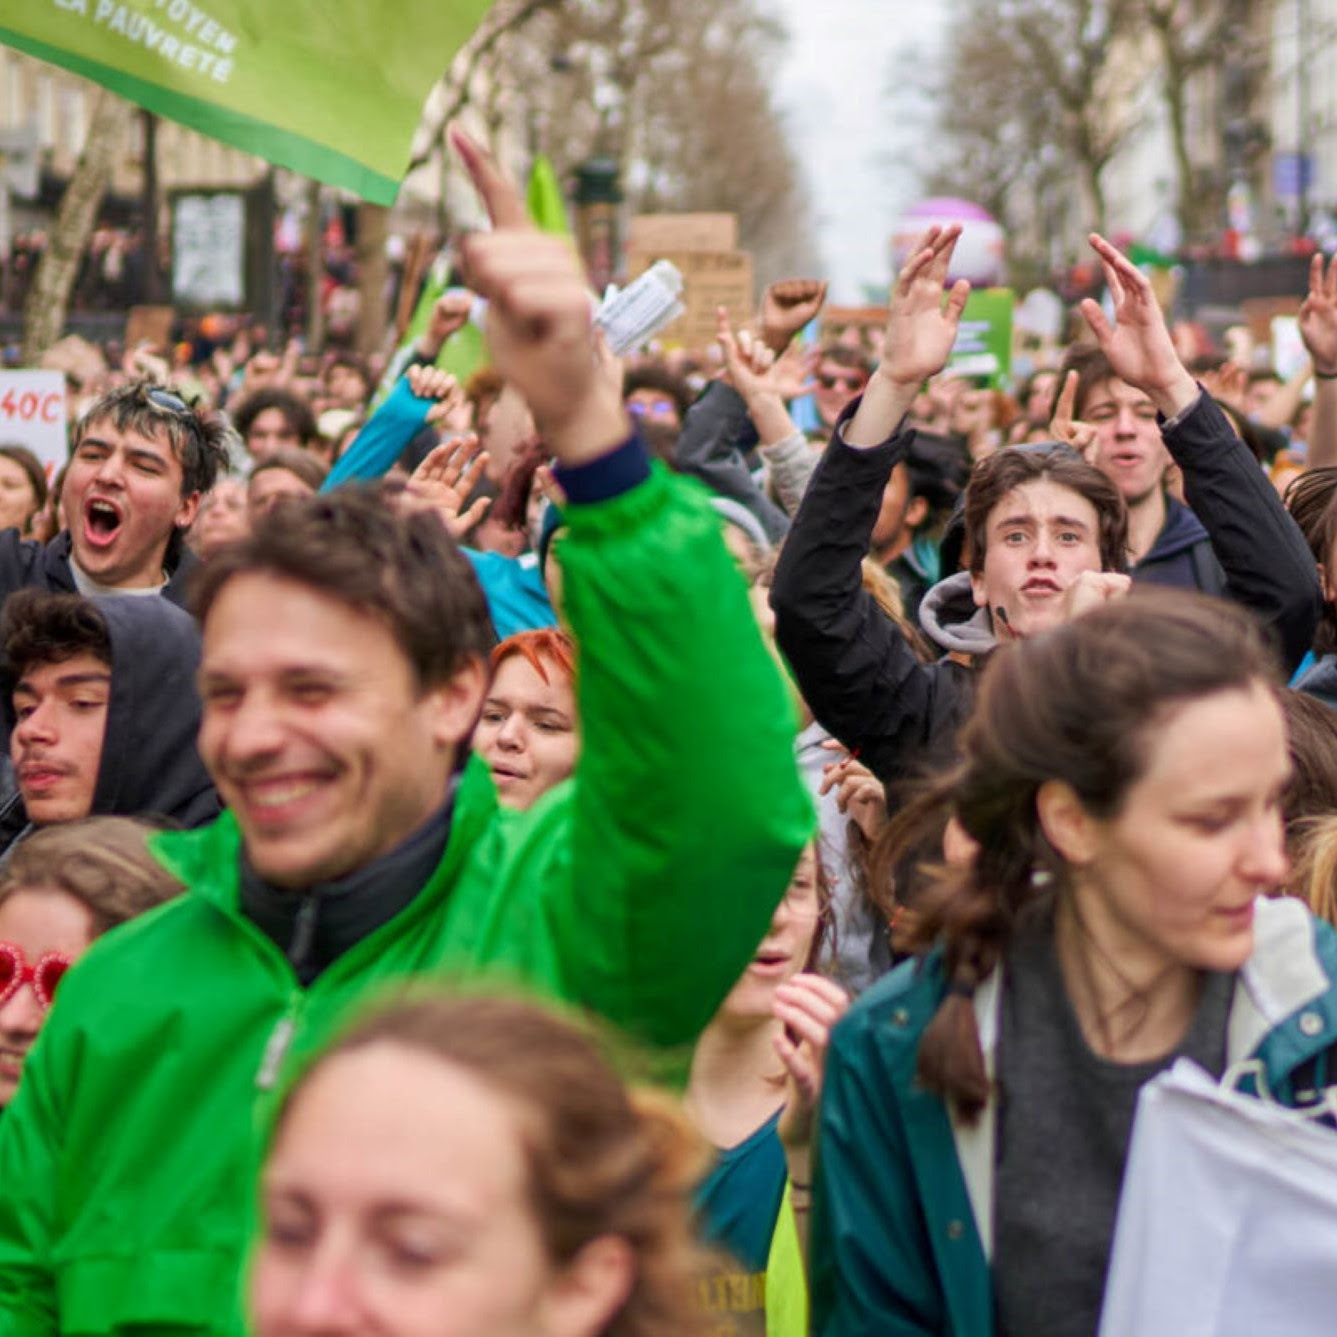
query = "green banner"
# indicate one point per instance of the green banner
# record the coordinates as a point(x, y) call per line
point(329, 88)
point(983, 346)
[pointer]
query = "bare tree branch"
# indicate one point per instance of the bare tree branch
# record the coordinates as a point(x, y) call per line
point(504, 20)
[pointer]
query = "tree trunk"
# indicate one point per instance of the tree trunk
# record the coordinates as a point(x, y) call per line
point(373, 227)
point(315, 269)
point(1095, 195)
point(153, 285)
point(48, 298)
point(1189, 208)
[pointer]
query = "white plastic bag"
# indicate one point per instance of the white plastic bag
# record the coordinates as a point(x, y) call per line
point(1228, 1218)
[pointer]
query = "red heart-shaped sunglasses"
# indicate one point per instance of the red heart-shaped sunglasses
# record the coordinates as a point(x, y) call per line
point(44, 974)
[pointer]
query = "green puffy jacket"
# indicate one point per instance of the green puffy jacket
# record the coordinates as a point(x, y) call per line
point(638, 889)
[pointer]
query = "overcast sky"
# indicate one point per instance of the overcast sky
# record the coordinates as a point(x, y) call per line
point(833, 91)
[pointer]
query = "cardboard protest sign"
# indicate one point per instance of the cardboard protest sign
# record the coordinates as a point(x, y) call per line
point(710, 279)
point(662, 233)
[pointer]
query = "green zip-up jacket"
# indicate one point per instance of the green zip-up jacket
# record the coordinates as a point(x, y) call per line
point(902, 1227)
point(638, 889)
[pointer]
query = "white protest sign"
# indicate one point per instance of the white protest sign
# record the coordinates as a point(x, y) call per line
point(209, 249)
point(1289, 353)
point(32, 414)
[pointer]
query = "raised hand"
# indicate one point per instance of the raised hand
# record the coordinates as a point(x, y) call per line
point(444, 479)
point(432, 383)
point(809, 1006)
point(859, 793)
point(747, 361)
point(794, 371)
point(1138, 343)
point(752, 368)
point(450, 313)
point(142, 363)
point(451, 412)
point(1226, 384)
point(1318, 316)
point(1063, 426)
point(786, 307)
point(540, 325)
point(921, 326)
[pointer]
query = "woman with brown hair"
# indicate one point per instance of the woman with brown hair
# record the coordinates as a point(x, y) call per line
point(23, 487)
point(474, 1167)
point(1121, 782)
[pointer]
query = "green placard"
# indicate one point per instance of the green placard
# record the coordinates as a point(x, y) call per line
point(330, 88)
point(983, 345)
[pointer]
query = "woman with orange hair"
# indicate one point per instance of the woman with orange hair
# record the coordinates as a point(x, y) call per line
point(527, 731)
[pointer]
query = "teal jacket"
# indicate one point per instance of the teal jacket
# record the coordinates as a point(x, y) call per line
point(903, 1200)
point(639, 890)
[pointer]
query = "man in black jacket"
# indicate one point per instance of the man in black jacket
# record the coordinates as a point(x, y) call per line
point(1038, 552)
point(1167, 543)
point(140, 461)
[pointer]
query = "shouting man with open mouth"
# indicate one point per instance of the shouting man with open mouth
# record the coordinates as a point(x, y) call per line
point(140, 461)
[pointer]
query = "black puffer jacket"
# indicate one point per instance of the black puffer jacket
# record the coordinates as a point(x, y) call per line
point(861, 679)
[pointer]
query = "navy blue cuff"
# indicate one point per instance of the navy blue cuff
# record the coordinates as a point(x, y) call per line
point(623, 468)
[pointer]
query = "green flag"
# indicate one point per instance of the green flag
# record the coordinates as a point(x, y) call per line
point(330, 88)
point(544, 198)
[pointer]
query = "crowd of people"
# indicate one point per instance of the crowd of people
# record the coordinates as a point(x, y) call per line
point(701, 845)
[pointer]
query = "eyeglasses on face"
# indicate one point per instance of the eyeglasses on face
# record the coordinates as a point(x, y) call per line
point(43, 974)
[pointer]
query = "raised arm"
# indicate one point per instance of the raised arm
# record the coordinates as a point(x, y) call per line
point(743, 409)
point(1318, 329)
point(710, 448)
point(854, 666)
point(686, 814)
point(1267, 563)
point(421, 397)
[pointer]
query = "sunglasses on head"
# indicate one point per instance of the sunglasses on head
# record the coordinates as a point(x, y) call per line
point(44, 973)
point(166, 400)
point(852, 381)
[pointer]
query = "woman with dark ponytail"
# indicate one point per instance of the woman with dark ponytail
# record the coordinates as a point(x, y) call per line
point(1119, 796)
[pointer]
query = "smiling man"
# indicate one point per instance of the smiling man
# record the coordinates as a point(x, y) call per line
point(140, 461)
point(344, 666)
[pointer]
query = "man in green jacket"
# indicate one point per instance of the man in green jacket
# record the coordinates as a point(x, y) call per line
point(342, 671)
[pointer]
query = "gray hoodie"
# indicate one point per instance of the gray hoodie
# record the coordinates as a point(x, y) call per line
point(951, 619)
